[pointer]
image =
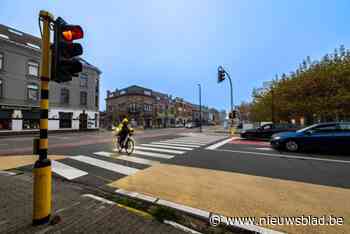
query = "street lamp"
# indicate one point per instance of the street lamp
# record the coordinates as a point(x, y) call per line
point(200, 107)
point(221, 77)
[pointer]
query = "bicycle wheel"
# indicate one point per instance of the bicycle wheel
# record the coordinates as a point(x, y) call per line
point(130, 146)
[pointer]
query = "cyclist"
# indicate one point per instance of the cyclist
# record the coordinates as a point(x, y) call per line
point(124, 132)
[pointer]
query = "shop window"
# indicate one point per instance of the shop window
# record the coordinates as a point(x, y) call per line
point(65, 119)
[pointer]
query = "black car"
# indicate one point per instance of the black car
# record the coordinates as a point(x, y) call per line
point(267, 130)
point(320, 137)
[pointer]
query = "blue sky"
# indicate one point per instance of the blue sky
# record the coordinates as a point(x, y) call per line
point(171, 46)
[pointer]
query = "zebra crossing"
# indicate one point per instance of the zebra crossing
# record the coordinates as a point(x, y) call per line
point(121, 165)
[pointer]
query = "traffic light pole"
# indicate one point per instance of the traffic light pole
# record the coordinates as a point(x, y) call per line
point(200, 107)
point(229, 78)
point(42, 167)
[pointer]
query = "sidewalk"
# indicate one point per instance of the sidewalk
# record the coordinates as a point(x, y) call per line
point(73, 211)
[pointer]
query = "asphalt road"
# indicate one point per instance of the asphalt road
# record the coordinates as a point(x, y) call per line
point(246, 157)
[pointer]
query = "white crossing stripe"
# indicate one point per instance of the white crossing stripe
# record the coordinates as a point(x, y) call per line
point(176, 144)
point(167, 147)
point(155, 155)
point(160, 150)
point(106, 165)
point(184, 142)
point(264, 148)
point(66, 171)
point(138, 160)
point(221, 143)
point(105, 154)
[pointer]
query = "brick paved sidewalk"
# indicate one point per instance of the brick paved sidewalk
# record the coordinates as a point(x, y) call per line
point(74, 212)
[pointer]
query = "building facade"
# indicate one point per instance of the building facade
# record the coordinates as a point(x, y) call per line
point(73, 105)
point(150, 109)
point(183, 111)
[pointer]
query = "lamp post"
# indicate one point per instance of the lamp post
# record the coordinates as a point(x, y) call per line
point(200, 107)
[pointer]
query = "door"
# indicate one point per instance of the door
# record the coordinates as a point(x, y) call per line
point(83, 121)
point(321, 137)
point(342, 137)
point(266, 131)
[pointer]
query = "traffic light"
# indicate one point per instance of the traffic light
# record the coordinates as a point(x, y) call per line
point(221, 75)
point(232, 114)
point(65, 63)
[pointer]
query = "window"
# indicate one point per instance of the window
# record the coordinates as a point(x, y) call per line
point(132, 107)
point(83, 98)
point(64, 96)
point(1, 61)
point(345, 126)
point(96, 100)
point(83, 81)
point(1, 89)
point(147, 107)
point(33, 92)
point(97, 86)
point(148, 93)
point(33, 68)
point(325, 128)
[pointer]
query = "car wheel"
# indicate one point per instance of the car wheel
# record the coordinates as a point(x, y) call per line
point(292, 146)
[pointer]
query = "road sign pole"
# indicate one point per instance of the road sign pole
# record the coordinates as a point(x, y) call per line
point(42, 167)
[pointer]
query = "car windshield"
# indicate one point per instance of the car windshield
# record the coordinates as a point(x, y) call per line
point(307, 128)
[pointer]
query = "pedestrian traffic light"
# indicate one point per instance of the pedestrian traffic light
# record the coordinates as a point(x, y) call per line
point(221, 74)
point(65, 63)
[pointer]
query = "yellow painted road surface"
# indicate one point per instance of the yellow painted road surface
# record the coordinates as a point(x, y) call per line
point(11, 162)
point(234, 194)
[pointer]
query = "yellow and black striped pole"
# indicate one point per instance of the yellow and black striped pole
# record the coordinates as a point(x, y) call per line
point(42, 167)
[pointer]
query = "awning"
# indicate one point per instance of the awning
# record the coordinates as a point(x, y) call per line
point(5, 114)
point(30, 114)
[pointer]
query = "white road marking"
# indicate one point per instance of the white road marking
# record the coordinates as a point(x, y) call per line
point(167, 147)
point(285, 156)
point(104, 154)
point(184, 142)
point(155, 155)
point(187, 209)
point(136, 195)
point(137, 160)
point(160, 150)
point(101, 199)
point(66, 171)
point(174, 144)
point(265, 148)
point(106, 165)
point(221, 143)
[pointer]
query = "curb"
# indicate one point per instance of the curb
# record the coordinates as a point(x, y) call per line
point(205, 215)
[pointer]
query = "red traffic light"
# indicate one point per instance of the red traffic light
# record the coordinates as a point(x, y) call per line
point(71, 32)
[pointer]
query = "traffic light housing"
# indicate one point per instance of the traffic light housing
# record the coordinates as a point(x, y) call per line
point(232, 114)
point(221, 75)
point(65, 63)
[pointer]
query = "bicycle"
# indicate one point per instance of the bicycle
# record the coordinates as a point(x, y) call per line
point(129, 143)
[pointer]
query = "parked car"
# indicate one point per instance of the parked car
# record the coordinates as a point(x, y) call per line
point(323, 136)
point(267, 130)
